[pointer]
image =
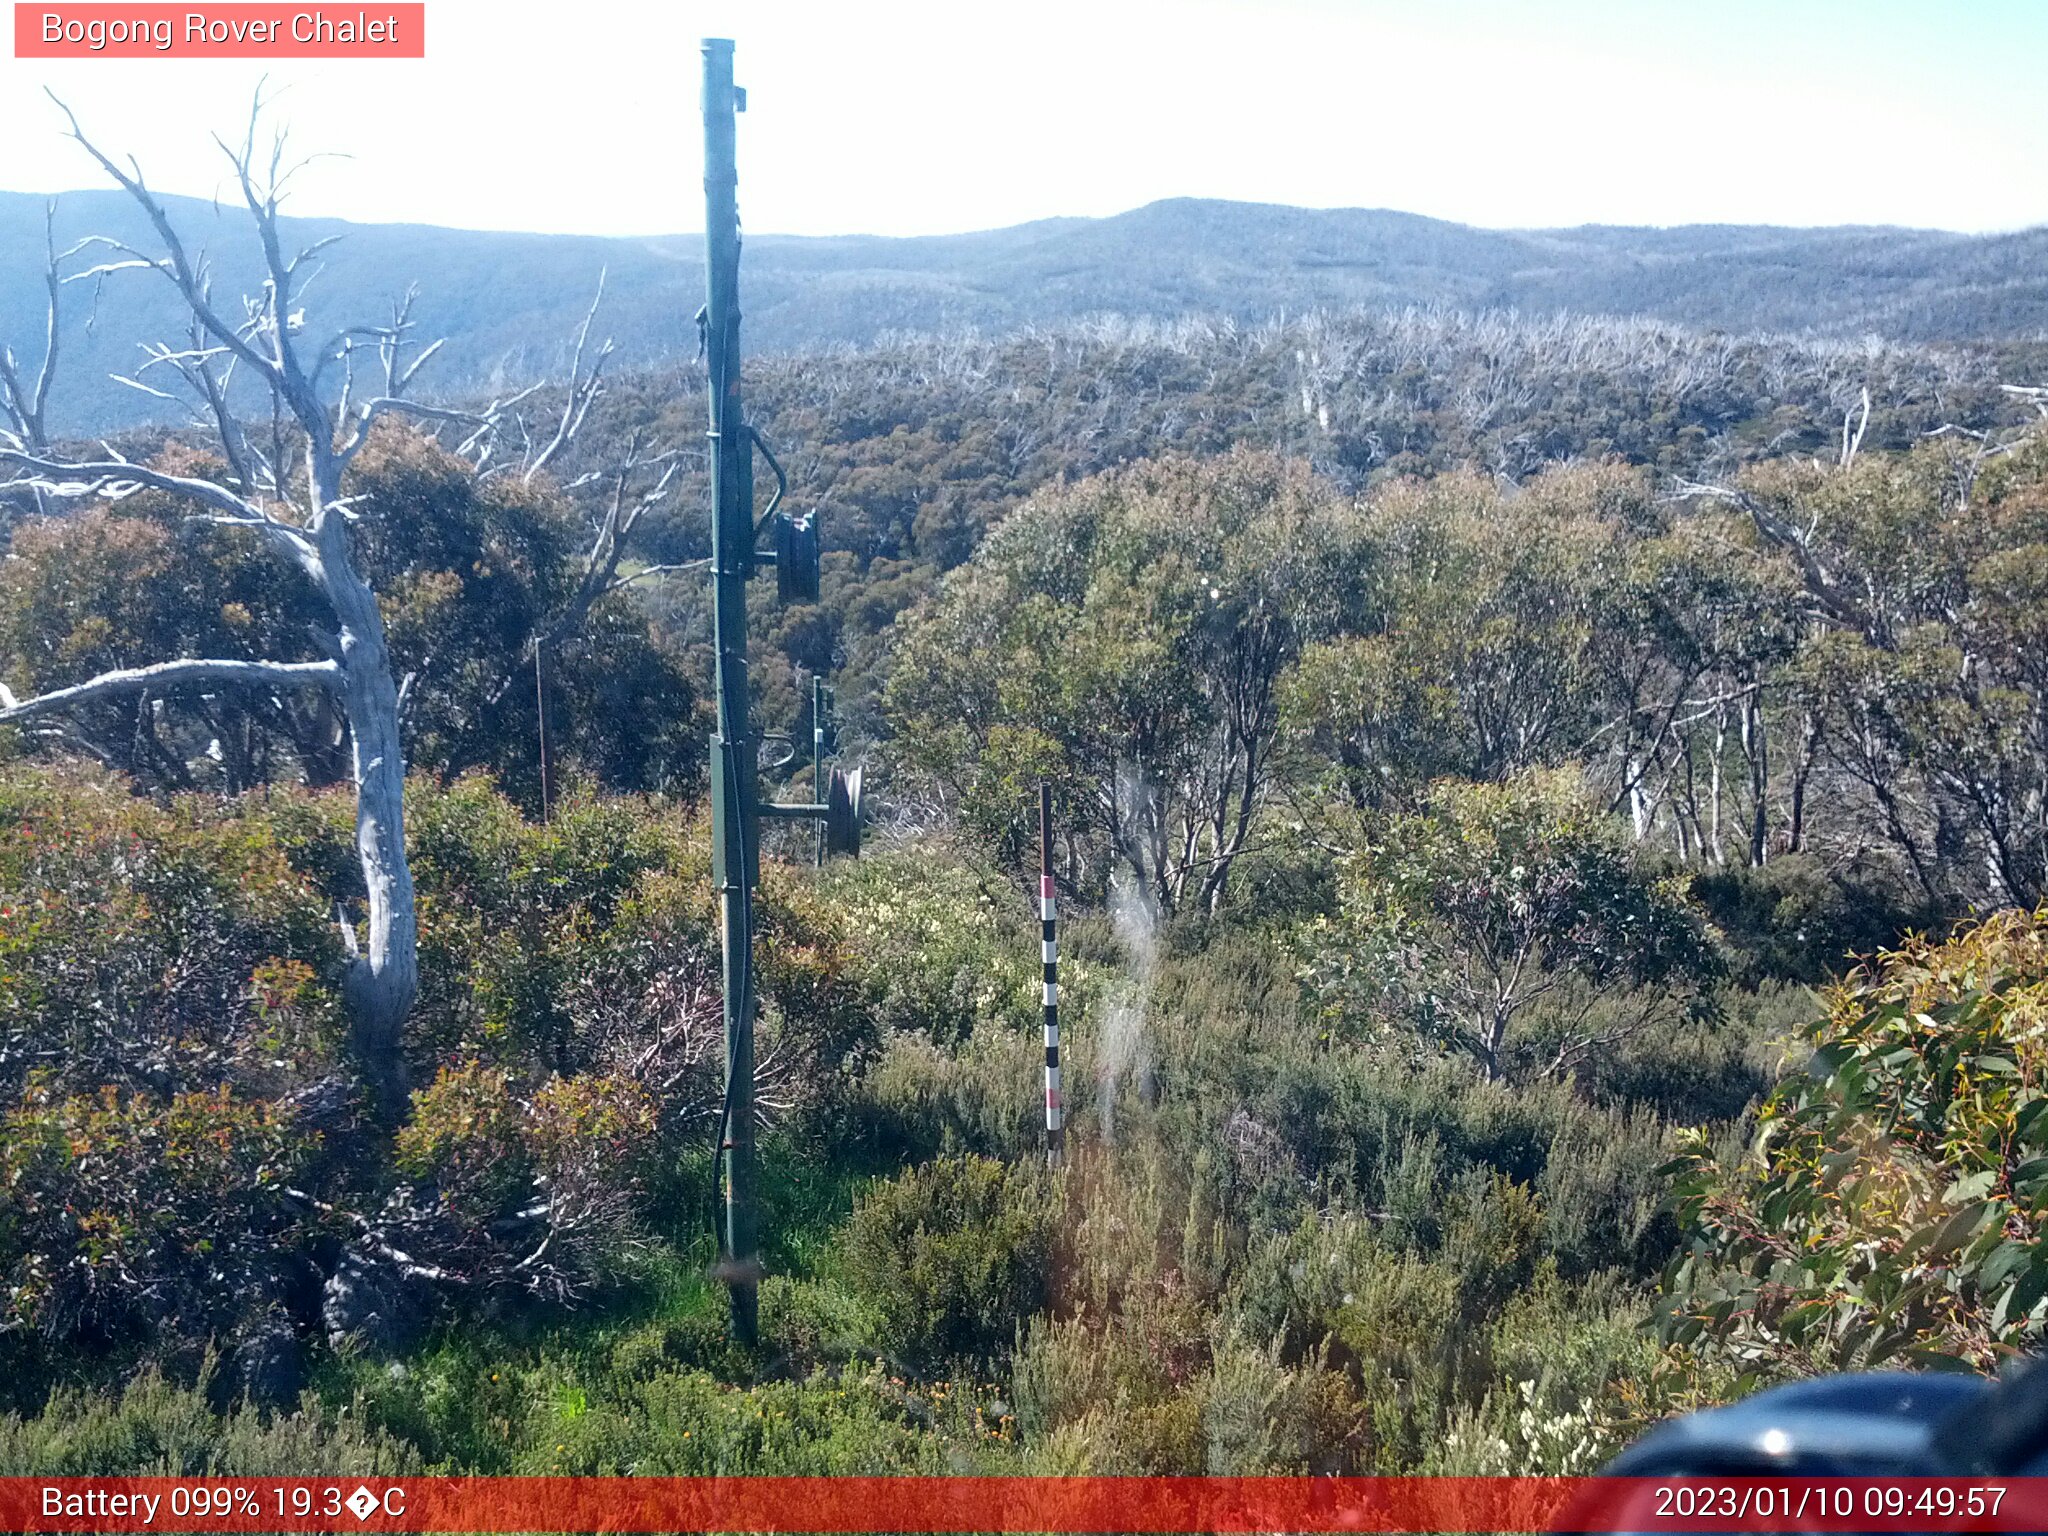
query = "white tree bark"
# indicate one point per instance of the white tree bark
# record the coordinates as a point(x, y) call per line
point(297, 508)
point(167, 674)
point(285, 486)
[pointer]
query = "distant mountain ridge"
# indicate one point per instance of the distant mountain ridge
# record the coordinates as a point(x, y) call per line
point(508, 302)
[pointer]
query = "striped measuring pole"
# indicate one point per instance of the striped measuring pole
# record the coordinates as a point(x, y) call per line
point(1048, 919)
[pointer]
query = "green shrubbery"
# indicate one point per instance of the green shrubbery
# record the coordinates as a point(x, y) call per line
point(1892, 1204)
point(1364, 1144)
point(126, 1214)
point(184, 1156)
point(1301, 1248)
point(1797, 920)
point(154, 1427)
point(1512, 923)
point(954, 1258)
point(158, 947)
point(945, 943)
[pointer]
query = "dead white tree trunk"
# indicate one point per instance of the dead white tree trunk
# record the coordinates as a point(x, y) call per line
point(25, 396)
point(287, 492)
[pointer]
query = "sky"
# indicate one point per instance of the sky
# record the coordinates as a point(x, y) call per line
point(906, 117)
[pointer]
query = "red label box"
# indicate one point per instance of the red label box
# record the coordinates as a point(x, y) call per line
point(1108, 1506)
point(376, 30)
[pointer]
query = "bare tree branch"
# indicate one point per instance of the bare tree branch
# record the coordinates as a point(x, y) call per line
point(622, 514)
point(177, 264)
point(649, 572)
point(118, 477)
point(1822, 584)
point(582, 392)
point(386, 405)
point(27, 403)
point(2035, 395)
point(170, 674)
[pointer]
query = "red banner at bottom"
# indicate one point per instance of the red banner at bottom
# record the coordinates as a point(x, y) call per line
point(1002, 1504)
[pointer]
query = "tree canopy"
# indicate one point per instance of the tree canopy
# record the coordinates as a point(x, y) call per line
point(1127, 638)
point(1890, 1208)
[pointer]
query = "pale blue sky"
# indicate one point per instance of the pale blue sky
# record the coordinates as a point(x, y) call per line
point(914, 117)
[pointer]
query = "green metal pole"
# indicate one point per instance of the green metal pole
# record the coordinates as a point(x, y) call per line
point(818, 759)
point(733, 766)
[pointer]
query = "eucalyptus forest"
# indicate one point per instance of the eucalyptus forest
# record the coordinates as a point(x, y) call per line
point(1551, 825)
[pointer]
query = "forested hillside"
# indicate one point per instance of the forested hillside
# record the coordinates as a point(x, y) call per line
point(912, 450)
point(506, 300)
point(1533, 797)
